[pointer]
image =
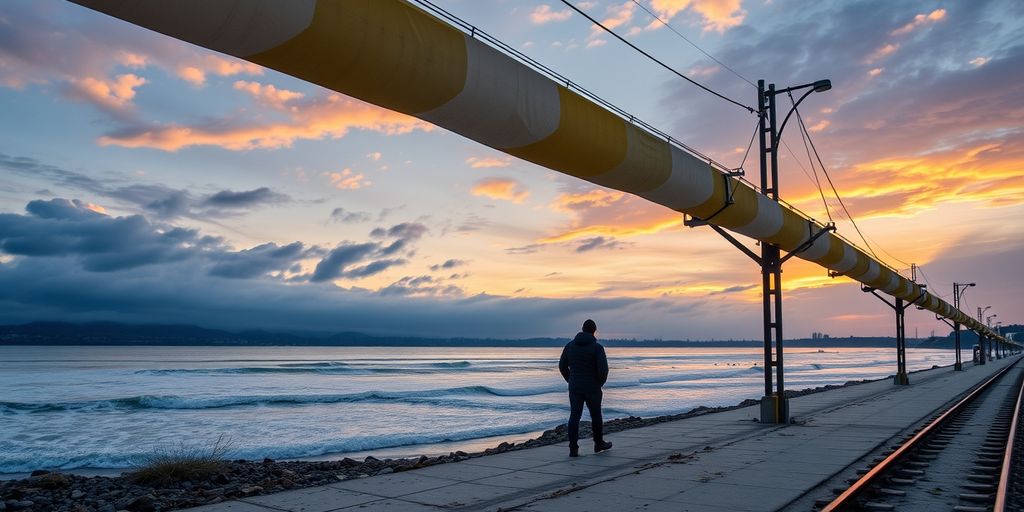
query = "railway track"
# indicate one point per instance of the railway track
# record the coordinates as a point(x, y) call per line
point(967, 458)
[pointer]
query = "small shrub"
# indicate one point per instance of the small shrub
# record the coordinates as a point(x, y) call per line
point(184, 462)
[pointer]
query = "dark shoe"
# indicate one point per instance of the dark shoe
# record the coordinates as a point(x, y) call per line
point(574, 451)
point(602, 446)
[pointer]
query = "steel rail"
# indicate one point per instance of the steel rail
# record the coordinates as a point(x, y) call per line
point(1003, 491)
point(845, 500)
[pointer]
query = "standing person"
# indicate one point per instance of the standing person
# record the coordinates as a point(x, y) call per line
point(585, 367)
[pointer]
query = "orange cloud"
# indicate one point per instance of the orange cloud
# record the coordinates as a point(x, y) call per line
point(488, 162)
point(882, 52)
point(875, 72)
point(503, 189)
point(114, 94)
point(329, 116)
point(718, 15)
point(347, 180)
point(195, 72)
point(920, 20)
point(980, 61)
point(610, 213)
point(132, 60)
point(267, 94)
point(990, 172)
point(544, 14)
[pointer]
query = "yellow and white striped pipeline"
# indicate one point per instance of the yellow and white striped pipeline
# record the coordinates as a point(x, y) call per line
point(392, 54)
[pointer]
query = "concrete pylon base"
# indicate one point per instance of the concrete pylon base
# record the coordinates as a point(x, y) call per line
point(774, 409)
point(958, 367)
point(900, 379)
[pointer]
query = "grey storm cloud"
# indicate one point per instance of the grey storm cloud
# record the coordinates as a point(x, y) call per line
point(153, 199)
point(244, 199)
point(452, 263)
point(348, 217)
point(259, 260)
point(62, 228)
point(348, 260)
point(73, 264)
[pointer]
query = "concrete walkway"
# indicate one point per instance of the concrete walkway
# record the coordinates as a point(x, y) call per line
point(721, 461)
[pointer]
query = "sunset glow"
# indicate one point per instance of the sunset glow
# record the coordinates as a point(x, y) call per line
point(166, 183)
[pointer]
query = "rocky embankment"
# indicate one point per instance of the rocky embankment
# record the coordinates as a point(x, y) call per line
point(65, 492)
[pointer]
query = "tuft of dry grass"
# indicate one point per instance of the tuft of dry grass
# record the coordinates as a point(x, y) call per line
point(181, 463)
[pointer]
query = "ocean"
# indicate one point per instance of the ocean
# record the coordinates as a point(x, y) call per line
point(104, 407)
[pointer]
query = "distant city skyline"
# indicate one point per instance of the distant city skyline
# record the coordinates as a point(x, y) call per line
point(146, 180)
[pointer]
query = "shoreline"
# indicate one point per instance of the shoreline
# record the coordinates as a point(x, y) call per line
point(87, 490)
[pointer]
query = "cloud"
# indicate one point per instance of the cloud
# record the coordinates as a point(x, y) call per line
point(348, 180)
point(717, 15)
point(599, 212)
point(545, 14)
point(260, 260)
point(598, 242)
point(979, 61)
point(448, 264)
point(113, 95)
point(488, 162)
point(503, 189)
point(40, 44)
point(349, 217)
point(327, 116)
point(196, 69)
point(881, 52)
point(63, 228)
point(244, 199)
point(268, 94)
point(158, 200)
point(919, 21)
point(421, 286)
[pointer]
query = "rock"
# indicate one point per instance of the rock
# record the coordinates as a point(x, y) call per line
point(40, 472)
point(76, 494)
point(20, 505)
point(385, 471)
point(252, 489)
point(143, 504)
point(268, 461)
point(371, 460)
point(109, 507)
point(52, 481)
point(220, 478)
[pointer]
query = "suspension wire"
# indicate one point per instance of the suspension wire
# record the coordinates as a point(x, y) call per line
point(803, 137)
point(693, 44)
point(929, 283)
point(834, 191)
point(750, 144)
point(662, 64)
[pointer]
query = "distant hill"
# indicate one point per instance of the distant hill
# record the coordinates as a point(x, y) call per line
point(110, 333)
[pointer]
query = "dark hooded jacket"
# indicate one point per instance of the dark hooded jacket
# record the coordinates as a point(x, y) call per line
point(583, 364)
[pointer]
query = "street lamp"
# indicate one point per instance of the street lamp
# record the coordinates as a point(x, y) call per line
point(958, 290)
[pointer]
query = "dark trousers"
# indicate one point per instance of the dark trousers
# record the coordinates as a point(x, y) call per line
point(593, 401)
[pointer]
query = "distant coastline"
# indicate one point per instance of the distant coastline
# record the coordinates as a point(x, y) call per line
point(117, 334)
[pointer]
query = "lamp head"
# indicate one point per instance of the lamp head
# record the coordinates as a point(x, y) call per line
point(970, 284)
point(822, 85)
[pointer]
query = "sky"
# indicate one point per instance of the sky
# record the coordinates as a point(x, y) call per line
point(144, 179)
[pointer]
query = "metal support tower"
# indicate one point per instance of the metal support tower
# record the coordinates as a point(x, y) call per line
point(958, 290)
point(900, 307)
point(774, 405)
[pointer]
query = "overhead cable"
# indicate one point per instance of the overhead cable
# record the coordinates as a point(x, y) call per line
point(834, 191)
point(693, 44)
point(662, 64)
point(817, 182)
